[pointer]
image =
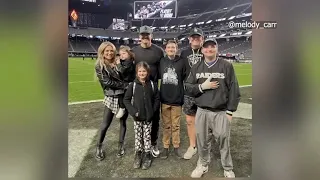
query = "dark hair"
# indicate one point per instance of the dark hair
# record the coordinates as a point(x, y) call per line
point(172, 41)
point(145, 66)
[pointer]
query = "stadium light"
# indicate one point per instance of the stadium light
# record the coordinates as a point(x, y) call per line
point(125, 38)
point(184, 25)
point(211, 36)
point(172, 27)
point(190, 24)
point(133, 27)
point(222, 35)
point(232, 17)
point(249, 32)
point(182, 39)
point(208, 21)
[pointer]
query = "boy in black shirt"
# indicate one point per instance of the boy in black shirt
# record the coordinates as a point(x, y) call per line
point(172, 73)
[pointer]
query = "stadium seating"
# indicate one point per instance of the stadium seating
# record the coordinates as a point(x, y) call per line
point(83, 40)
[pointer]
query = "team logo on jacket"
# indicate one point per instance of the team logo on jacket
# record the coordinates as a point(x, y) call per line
point(207, 75)
point(194, 59)
point(170, 76)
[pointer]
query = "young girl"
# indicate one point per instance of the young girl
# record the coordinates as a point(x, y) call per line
point(126, 67)
point(141, 101)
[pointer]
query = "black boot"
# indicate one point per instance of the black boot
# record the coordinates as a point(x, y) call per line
point(120, 150)
point(146, 163)
point(177, 153)
point(99, 153)
point(165, 153)
point(137, 160)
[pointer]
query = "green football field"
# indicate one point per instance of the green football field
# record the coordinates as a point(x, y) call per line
point(83, 85)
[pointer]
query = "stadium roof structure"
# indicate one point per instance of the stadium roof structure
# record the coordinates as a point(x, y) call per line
point(188, 11)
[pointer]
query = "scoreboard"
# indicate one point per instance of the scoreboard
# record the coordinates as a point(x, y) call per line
point(155, 9)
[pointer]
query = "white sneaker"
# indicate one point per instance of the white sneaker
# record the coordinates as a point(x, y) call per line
point(190, 152)
point(199, 171)
point(120, 113)
point(229, 174)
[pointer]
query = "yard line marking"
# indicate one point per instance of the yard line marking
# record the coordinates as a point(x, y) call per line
point(245, 86)
point(81, 82)
point(100, 100)
point(244, 111)
point(85, 102)
point(79, 142)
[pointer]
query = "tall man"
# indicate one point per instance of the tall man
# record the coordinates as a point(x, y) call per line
point(191, 56)
point(216, 102)
point(151, 54)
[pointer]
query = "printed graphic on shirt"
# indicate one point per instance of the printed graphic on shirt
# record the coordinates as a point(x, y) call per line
point(207, 75)
point(170, 76)
point(194, 59)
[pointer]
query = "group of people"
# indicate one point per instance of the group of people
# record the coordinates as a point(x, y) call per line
point(196, 82)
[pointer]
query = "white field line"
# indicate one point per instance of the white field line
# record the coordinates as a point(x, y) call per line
point(100, 100)
point(79, 142)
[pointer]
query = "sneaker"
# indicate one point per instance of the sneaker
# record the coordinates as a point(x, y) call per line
point(199, 171)
point(99, 154)
point(155, 151)
point(190, 152)
point(146, 162)
point(229, 174)
point(120, 150)
point(120, 113)
point(137, 160)
point(177, 153)
point(164, 153)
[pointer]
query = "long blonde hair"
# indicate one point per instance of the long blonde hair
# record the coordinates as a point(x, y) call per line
point(101, 60)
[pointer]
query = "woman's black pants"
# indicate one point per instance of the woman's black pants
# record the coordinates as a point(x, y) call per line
point(107, 119)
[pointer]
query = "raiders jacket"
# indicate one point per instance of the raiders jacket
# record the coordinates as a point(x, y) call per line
point(225, 97)
point(191, 57)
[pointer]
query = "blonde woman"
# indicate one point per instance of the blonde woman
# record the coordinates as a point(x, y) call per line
point(112, 86)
